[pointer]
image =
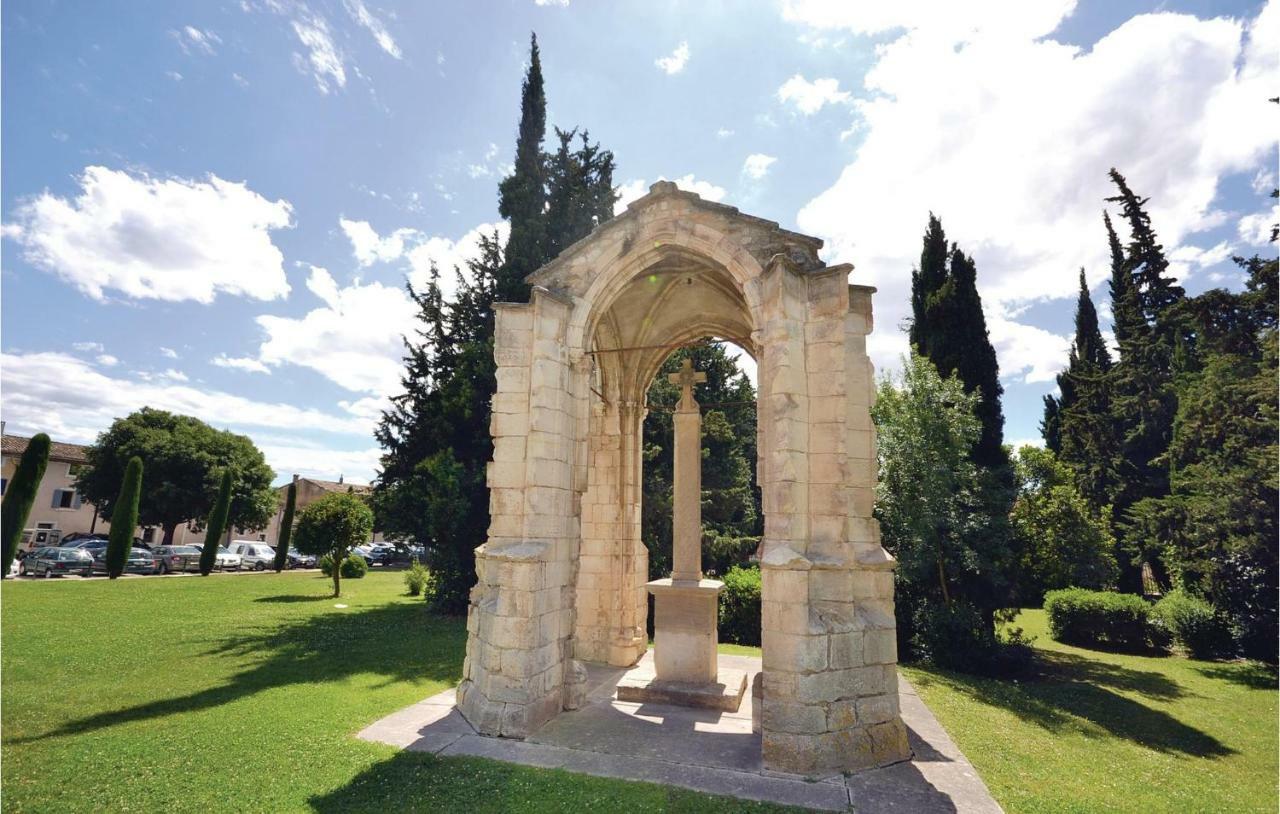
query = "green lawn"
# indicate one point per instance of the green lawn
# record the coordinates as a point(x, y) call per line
point(243, 693)
point(1102, 731)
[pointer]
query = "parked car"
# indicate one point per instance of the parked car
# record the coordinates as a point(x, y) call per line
point(177, 558)
point(52, 561)
point(377, 553)
point(77, 539)
point(258, 556)
point(226, 560)
point(299, 560)
point(140, 561)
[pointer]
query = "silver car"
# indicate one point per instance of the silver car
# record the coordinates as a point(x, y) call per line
point(257, 556)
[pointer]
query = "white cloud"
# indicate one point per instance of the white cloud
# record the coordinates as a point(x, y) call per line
point(369, 248)
point(1255, 229)
point(1187, 259)
point(245, 363)
point(239, 80)
point(355, 340)
point(724, 132)
point(449, 254)
point(174, 375)
point(323, 59)
point(174, 75)
point(37, 399)
point(168, 353)
point(107, 360)
point(638, 188)
point(561, 3)
point(674, 62)
point(156, 238)
point(318, 460)
point(1007, 135)
point(361, 14)
point(810, 97)
point(87, 346)
point(193, 40)
point(757, 165)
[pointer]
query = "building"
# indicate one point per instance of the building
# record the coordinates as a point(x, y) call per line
point(59, 508)
point(309, 491)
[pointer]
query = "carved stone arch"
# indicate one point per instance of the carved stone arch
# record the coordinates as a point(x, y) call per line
point(561, 577)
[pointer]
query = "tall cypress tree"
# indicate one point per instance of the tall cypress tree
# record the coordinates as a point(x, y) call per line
point(217, 525)
point(1086, 436)
point(949, 329)
point(124, 519)
point(286, 526)
point(522, 196)
point(21, 494)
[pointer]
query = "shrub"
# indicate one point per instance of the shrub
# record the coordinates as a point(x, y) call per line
point(415, 579)
point(354, 567)
point(1079, 616)
point(739, 611)
point(326, 565)
point(958, 636)
point(1192, 624)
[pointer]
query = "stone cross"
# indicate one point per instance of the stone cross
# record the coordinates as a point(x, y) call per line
point(686, 521)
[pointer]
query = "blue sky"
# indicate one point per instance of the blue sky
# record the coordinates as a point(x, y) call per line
point(212, 207)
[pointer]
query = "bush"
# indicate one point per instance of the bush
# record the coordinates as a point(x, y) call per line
point(1078, 616)
point(1192, 624)
point(958, 636)
point(739, 611)
point(415, 579)
point(353, 567)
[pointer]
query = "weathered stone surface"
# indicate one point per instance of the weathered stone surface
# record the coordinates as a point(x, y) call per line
point(563, 574)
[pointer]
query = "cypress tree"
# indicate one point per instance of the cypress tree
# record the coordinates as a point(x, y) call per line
point(522, 196)
point(1051, 424)
point(217, 525)
point(286, 526)
point(124, 519)
point(21, 494)
point(1086, 435)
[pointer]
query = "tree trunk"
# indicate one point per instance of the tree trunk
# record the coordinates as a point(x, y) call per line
point(337, 574)
point(169, 529)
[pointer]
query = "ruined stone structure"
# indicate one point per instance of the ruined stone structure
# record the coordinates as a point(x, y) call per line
point(562, 575)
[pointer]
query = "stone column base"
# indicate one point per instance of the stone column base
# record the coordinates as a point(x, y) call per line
point(684, 629)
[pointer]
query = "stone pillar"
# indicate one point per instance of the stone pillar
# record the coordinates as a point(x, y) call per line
point(516, 674)
point(686, 526)
point(830, 681)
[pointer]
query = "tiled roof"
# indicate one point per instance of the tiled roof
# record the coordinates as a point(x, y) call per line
point(58, 451)
point(336, 486)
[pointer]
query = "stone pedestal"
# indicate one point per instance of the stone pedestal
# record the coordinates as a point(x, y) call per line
point(684, 628)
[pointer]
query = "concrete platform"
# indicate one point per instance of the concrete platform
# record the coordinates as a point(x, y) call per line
point(705, 750)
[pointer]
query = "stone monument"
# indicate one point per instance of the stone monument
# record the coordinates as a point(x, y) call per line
point(563, 576)
point(685, 604)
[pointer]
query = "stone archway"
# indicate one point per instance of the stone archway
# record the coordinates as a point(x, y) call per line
point(561, 577)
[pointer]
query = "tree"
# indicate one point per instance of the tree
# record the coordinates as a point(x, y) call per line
point(1143, 398)
point(442, 417)
point(217, 525)
point(184, 459)
point(1065, 542)
point(21, 494)
point(334, 525)
point(926, 430)
point(286, 527)
point(124, 519)
point(1086, 436)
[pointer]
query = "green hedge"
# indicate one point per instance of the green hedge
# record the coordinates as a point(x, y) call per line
point(1192, 624)
point(1079, 616)
point(739, 621)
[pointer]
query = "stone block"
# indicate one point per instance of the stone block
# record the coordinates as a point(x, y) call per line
point(793, 653)
point(845, 650)
point(792, 717)
point(880, 646)
point(841, 715)
point(877, 709)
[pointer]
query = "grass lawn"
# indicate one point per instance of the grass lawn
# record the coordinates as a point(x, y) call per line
point(243, 693)
point(1111, 732)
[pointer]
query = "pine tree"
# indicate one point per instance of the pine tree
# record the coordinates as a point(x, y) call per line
point(217, 525)
point(124, 519)
point(286, 526)
point(20, 494)
point(1149, 332)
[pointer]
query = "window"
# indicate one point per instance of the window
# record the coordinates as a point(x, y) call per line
point(148, 534)
point(65, 499)
point(74, 469)
point(44, 525)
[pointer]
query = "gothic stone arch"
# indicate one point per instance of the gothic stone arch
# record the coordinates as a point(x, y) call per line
point(561, 577)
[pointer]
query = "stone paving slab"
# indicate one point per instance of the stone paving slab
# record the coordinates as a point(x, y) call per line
point(703, 750)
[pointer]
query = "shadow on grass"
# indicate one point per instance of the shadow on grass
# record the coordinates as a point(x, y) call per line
point(415, 781)
point(291, 598)
point(1254, 675)
point(1073, 689)
point(401, 642)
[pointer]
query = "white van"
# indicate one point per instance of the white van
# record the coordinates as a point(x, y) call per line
point(254, 555)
